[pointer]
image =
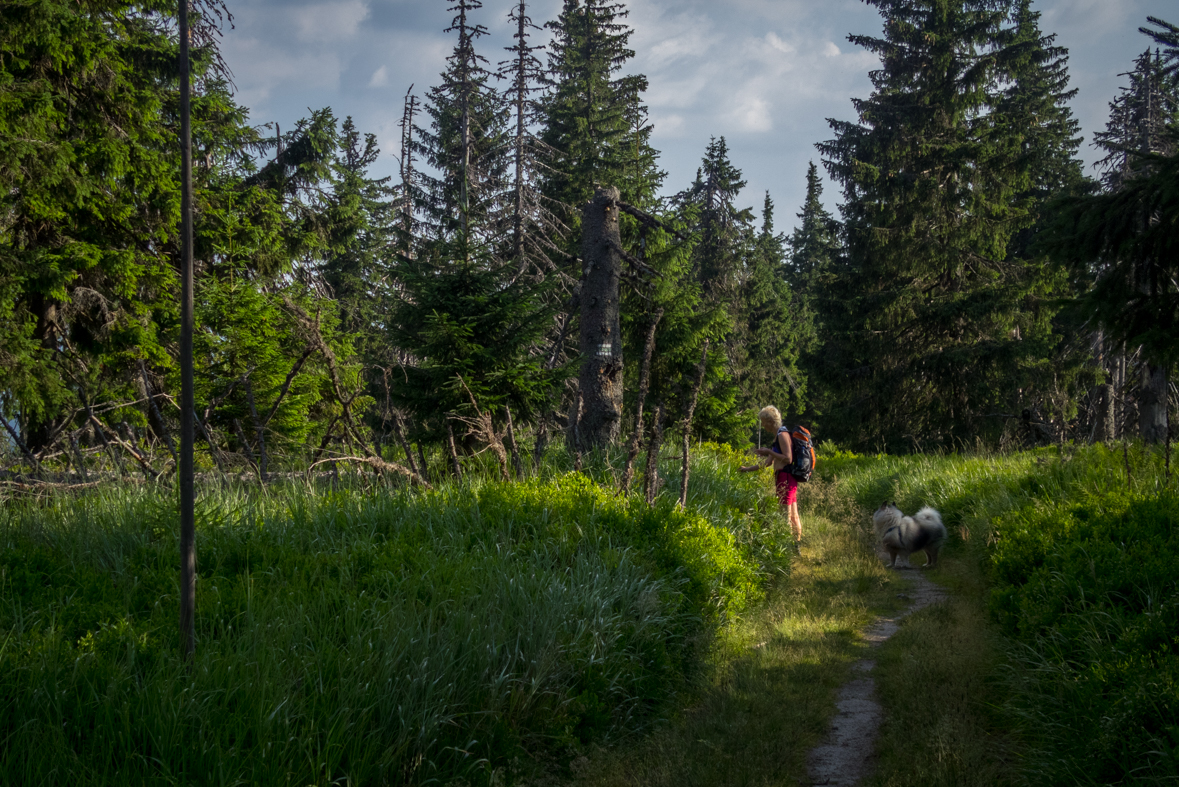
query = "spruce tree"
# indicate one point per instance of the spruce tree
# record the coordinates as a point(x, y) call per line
point(773, 328)
point(530, 230)
point(932, 180)
point(814, 245)
point(592, 116)
point(465, 141)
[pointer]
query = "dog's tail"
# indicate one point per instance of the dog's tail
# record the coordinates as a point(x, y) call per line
point(930, 520)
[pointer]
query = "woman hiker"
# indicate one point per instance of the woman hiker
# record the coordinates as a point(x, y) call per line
point(780, 455)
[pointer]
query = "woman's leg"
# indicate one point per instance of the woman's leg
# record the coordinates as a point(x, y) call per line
point(795, 522)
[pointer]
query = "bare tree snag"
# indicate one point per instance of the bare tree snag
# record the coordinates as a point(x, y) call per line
point(644, 384)
point(241, 436)
point(453, 449)
point(1152, 407)
point(286, 386)
point(257, 430)
point(651, 475)
point(697, 384)
point(399, 434)
point(601, 340)
point(513, 448)
point(20, 444)
point(79, 459)
point(155, 410)
point(542, 441)
point(1104, 426)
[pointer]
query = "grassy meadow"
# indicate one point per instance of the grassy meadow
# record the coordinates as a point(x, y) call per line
point(1056, 661)
point(552, 631)
point(362, 635)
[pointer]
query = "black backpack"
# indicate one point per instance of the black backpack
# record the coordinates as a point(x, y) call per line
point(803, 449)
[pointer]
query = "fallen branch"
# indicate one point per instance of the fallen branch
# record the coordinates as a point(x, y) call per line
point(138, 457)
point(379, 464)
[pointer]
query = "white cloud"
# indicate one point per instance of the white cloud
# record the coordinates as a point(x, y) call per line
point(380, 77)
point(777, 43)
point(332, 21)
point(831, 50)
point(753, 114)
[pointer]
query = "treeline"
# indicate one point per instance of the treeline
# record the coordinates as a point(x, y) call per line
point(403, 320)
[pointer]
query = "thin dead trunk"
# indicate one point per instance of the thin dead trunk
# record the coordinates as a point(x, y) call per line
point(286, 385)
point(651, 474)
point(453, 449)
point(542, 442)
point(20, 444)
point(258, 431)
point(79, 458)
point(697, 384)
point(1152, 407)
point(214, 451)
point(155, 409)
point(513, 448)
point(241, 436)
point(399, 435)
point(644, 383)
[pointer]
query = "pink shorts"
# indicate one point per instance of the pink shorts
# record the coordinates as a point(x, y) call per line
point(787, 487)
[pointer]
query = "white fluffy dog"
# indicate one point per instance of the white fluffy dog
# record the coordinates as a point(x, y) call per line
point(902, 535)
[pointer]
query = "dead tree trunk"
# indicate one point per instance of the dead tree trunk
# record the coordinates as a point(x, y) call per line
point(644, 383)
point(453, 449)
point(651, 475)
point(697, 384)
point(1152, 404)
point(601, 340)
point(1104, 420)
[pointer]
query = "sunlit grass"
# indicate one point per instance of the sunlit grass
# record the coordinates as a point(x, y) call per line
point(768, 693)
point(354, 632)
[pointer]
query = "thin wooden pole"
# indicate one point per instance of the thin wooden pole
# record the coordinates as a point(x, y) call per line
point(187, 431)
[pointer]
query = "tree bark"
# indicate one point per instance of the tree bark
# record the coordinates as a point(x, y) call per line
point(601, 340)
point(651, 475)
point(1104, 420)
point(1152, 404)
point(644, 382)
point(697, 384)
point(450, 445)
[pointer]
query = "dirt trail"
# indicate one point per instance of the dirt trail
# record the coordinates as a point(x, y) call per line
point(845, 757)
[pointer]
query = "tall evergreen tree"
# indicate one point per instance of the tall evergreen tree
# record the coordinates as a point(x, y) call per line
point(814, 245)
point(775, 325)
point(592, 115)
point(465, 141)
point(932, 180)
point(1138, 119)
point(529, 227)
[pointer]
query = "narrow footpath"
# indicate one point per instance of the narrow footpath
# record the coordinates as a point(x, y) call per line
point(847, 755)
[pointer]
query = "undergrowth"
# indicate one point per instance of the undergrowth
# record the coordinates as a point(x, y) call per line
point(360, 635)
point(1073, 553)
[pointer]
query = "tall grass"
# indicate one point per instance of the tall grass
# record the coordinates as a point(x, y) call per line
point(1078, 550)
point(360, 636)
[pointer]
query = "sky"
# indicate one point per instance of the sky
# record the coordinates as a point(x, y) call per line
point(764, 74)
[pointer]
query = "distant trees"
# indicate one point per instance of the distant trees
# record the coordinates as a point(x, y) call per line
point(1122, 243)
point(939, 325)
point(341, 312)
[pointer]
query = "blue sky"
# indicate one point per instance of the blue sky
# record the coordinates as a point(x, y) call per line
point(765, 74)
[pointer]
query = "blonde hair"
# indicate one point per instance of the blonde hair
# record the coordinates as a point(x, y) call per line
point(770, 413)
